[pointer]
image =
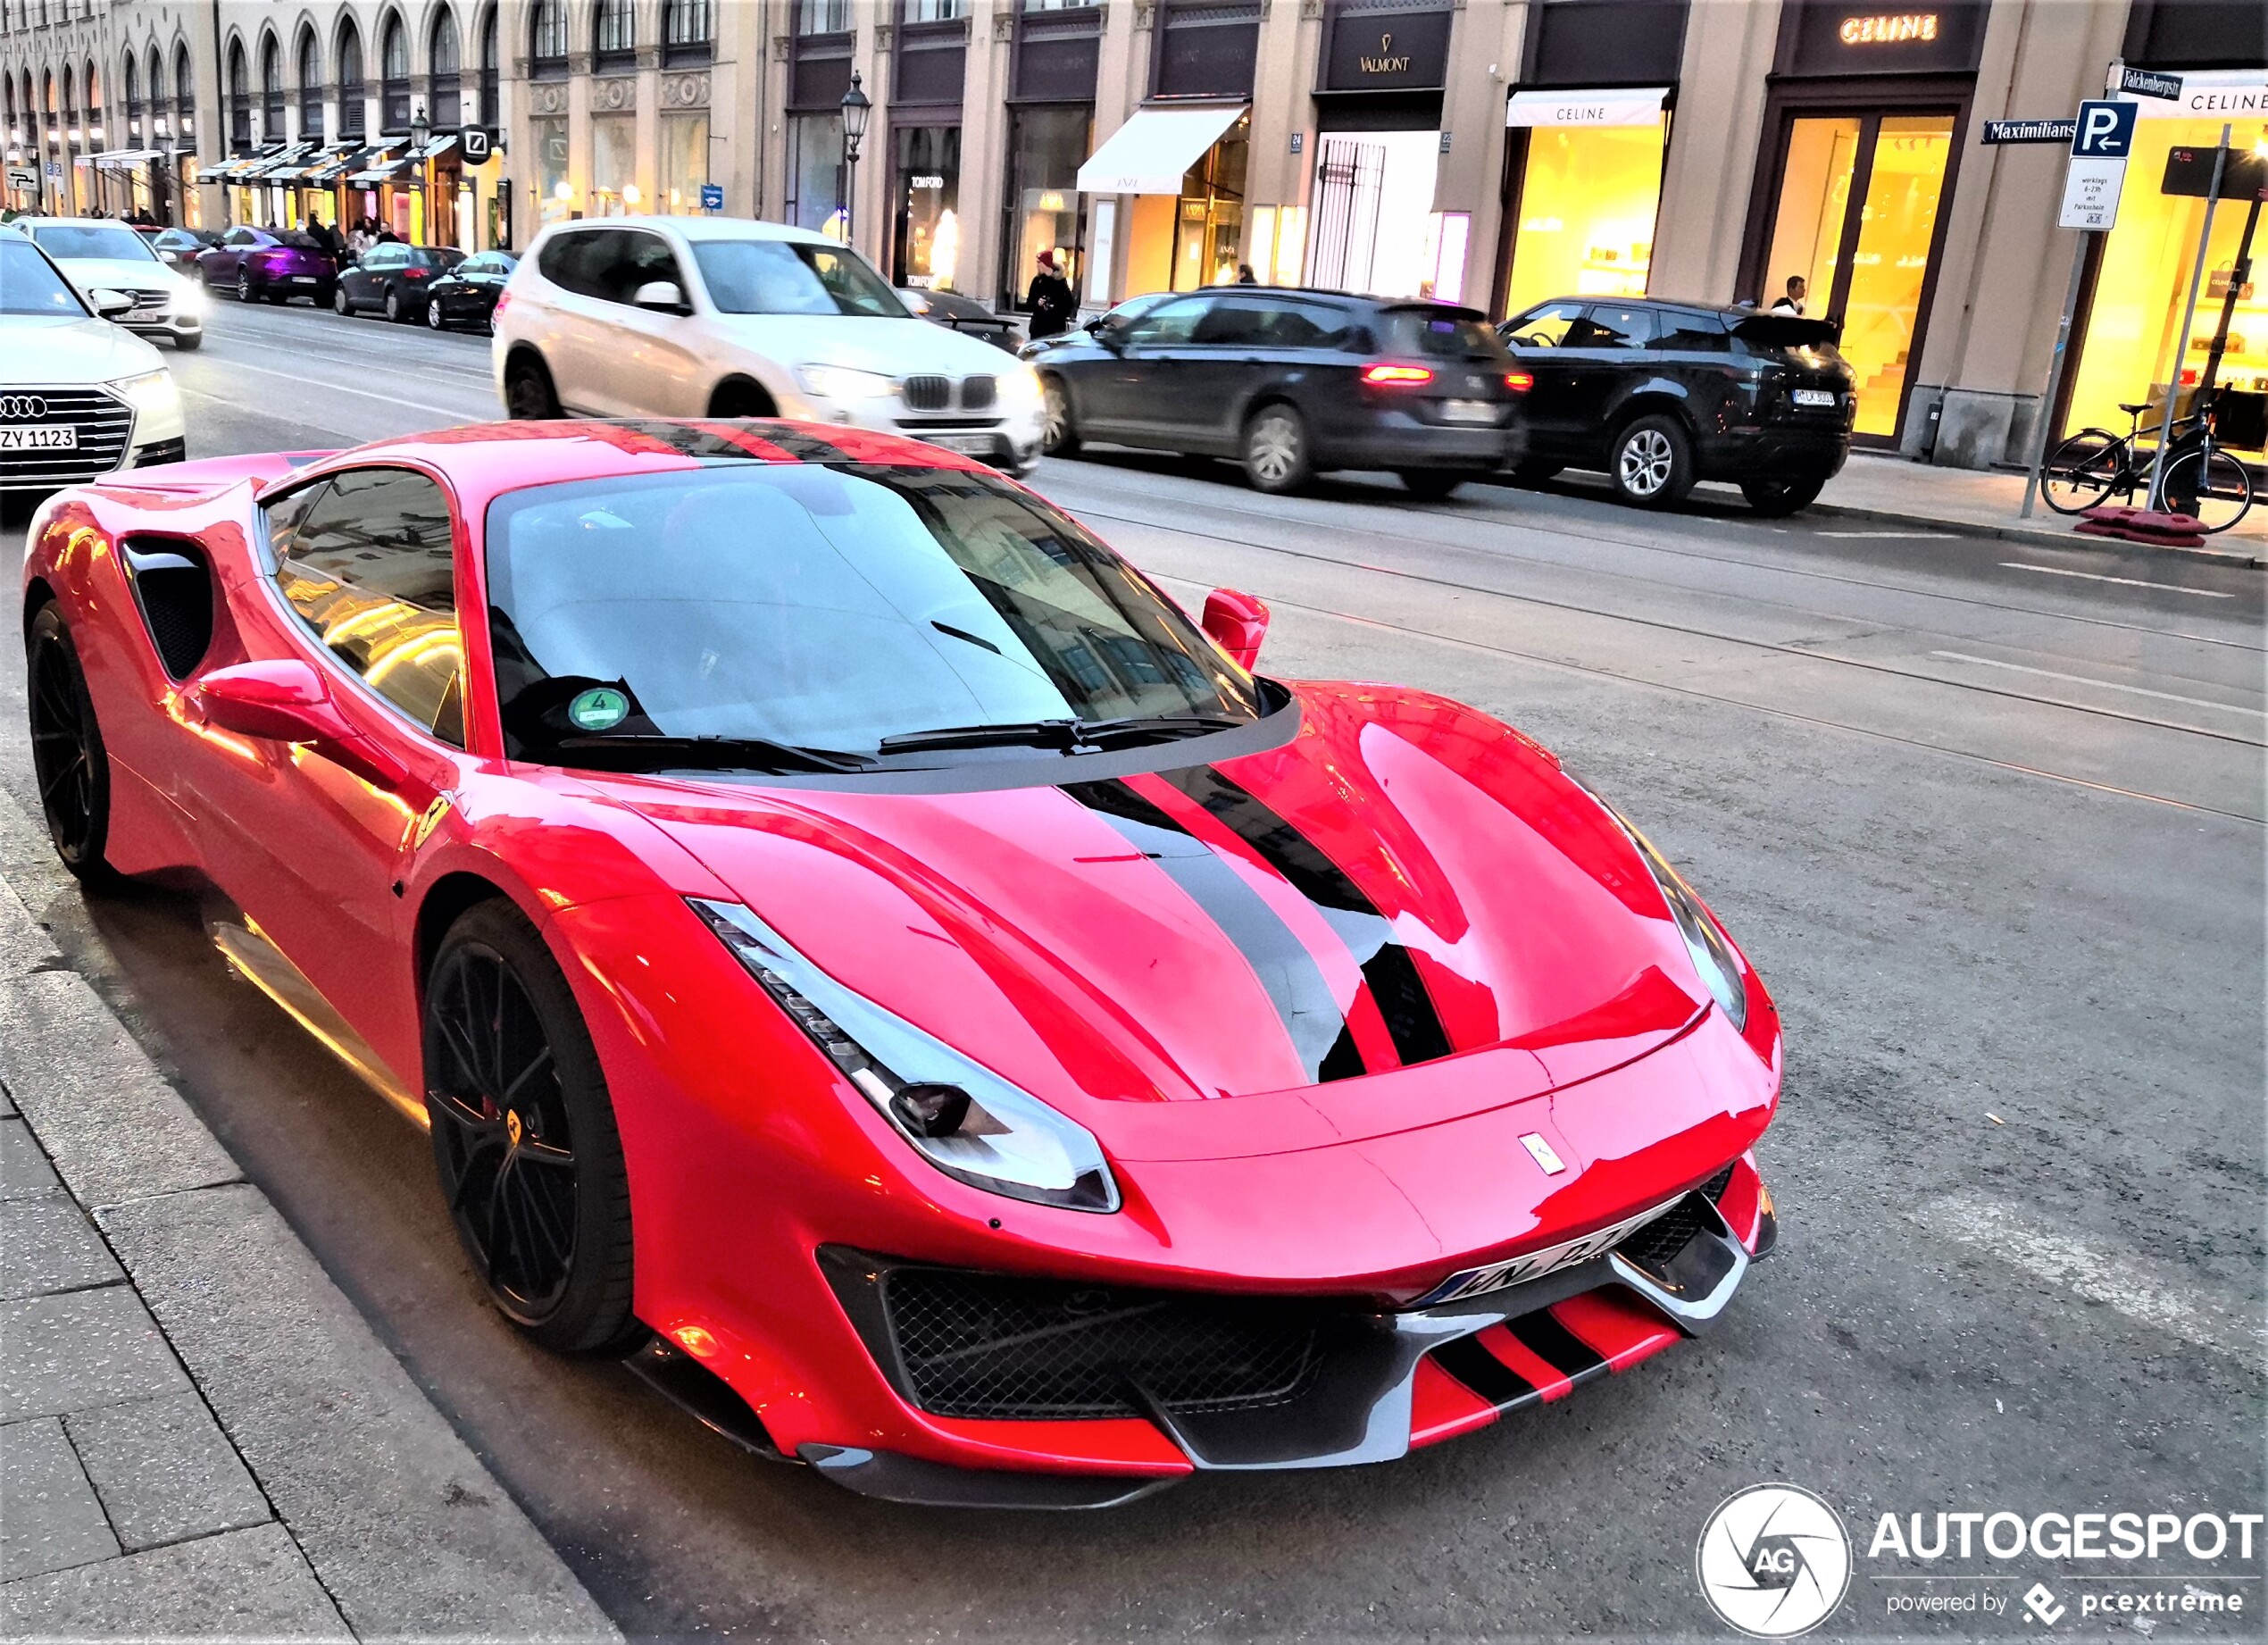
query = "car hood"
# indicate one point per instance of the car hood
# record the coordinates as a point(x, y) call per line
point(893, 347)
point(62, 350)
point(119, 274)
point(1403, 882)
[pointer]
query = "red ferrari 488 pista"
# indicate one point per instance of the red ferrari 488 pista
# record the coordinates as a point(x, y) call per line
point(864, 953)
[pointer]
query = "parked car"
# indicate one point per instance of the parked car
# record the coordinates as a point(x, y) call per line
point(276, 264)
point(467, 293)
point(78, 397)
point(177, 247)
point(963, 314)
point(1291, 383)
point(1660, 394)
point(393, 277)
point(99, 254)
point(723, 317)
point(1125, 314)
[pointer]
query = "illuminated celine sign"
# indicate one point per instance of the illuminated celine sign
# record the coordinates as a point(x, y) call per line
point(1890, 30)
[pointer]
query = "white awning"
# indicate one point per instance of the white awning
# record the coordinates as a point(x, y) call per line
point(119, 159)
point(1152, 151)
point(1640, 106)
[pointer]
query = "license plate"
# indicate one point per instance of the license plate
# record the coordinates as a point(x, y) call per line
point(1475, 1281)
point(303, 279)
point(31, 436)
point(1815, 397)
point(1468, 411)
point(967, 444)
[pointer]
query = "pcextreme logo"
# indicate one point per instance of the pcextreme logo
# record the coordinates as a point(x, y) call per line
point(1773, 1561)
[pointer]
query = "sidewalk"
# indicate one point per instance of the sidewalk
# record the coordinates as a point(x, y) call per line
point(1895, 491)
point(198, 1434)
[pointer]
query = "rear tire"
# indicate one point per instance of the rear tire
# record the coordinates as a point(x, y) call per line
point(393, 306)
point(738, 397)
point(1651, 464)
point(2217, 494)
point(1058, 433)
point(1277, 459)
point(528, 394)
point(68, 759)
point(524, 1137)
point(340, 304)
point(244, 286)
point(1776, 499)
point(433, 318)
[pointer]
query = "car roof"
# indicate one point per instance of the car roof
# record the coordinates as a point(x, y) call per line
point(703, 228)
point(74, 222)
point(1730, 311)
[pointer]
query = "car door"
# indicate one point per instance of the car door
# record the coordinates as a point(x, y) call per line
point(651, 364)
point(361, 575)
point(1538, 340)
point(1214, 375)
point(363, 281)
point(574, 264)
point(1125, 390)
point(1692, 349)
point(222, 262)
point(1604, 353)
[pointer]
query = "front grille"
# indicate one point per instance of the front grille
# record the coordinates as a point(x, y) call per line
point(103, 425)
point(990, 1346)
point(977, 393)
point(932, 394)
point(947, 425)
point(1657, 1243)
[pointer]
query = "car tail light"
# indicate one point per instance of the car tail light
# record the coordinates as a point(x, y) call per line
point(1519, 382)
point(502, 297)
point(413, 274)
point(1397, 376)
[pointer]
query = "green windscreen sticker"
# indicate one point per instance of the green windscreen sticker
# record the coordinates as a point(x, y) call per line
point(601, 708)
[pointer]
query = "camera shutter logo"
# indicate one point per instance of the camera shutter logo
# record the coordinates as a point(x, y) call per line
point(1773, 1561)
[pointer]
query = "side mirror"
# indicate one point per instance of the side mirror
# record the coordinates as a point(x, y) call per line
point(110, 304)
point(663, 295)
point(281, 699)
point(1237, 623)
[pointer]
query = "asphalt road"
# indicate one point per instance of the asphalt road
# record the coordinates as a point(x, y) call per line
point(1988, 819)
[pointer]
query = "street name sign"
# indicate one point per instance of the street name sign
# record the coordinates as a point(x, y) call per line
point(2103, 137)
point(2142, 83)
point(2030, 130)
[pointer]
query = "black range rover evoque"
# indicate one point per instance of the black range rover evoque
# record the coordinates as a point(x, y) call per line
point(1660, 394)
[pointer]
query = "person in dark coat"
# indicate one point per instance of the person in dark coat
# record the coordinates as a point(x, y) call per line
point(1051, 299)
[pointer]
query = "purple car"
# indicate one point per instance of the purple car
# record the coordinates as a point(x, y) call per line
point(275, 264)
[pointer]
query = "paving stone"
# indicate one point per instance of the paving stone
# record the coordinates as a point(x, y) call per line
point(46, 1244)
point(114, 1128)
point(242, 1584)
point(79, 1350)
point(164, 1470)
point(23, 1168)
point(52, 1518)
point(25, 946)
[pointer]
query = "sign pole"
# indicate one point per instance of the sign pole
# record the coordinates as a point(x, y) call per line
point(2156, 500)
point(2056, 376)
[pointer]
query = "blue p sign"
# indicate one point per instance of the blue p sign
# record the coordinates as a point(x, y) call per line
point(2105, 129)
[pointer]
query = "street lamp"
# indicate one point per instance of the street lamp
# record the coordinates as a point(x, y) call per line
point(421, 129)
point(856, 107)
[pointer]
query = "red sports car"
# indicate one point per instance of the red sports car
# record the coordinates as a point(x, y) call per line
point(864, 953)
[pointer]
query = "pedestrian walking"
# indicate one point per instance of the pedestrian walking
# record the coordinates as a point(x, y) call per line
point(1792, 302)
point(1050, 299)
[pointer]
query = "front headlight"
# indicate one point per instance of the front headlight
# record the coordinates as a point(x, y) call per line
point(188, 299)
point(1712, 955)
point(958, 1115)
point(1021, 387)
point(844, 382)
point(151, 393)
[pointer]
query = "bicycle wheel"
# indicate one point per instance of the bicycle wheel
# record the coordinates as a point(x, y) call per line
point(2218, 492)
point(2080, 472)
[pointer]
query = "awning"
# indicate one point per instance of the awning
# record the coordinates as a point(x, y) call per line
point(303, 168)
point(236, 170)
point(328, 168)
point(121, 159)
point(1640, 106)
point(385, 164)
point(1153, 151)
point(284, 166)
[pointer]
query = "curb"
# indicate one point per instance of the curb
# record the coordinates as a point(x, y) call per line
point(2042, 535)
point(373, 1492)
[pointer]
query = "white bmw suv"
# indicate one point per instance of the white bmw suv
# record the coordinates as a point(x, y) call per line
point(722, 317)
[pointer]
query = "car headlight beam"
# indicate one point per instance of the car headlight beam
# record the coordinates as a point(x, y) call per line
point(844, 382)
point(152, 391)
point(956, 1114)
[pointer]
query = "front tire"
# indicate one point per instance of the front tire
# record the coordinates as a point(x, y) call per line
point(1058, 433)
point(1651, 464)
point(2216, 494)
point(340, 304)
point(188, 343)
point(244, 286)
point(68, 758)
point(524, 1137)
point(1776, 499)
point(393, 306)
point(433, 314)
point(1276, 458)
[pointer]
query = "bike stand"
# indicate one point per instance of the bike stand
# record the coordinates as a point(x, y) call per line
point(2141, 525)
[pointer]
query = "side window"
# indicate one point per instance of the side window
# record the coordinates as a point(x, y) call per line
point(635, 259)
point(1168, 323)
point(1231, 323)
point(1613, 327)
point(573, 261)
point(1686, 332)
point(1543, 328)
point(239, 237)
point(366, 562)
point(1293, 324)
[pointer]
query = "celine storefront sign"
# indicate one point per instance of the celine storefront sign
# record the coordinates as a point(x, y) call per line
point(1889, 30)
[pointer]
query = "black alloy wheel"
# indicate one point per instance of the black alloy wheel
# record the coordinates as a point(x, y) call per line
point(1778, 498)
point(528, 394)
point(68, 760)
point(523, 1135)
point(1058, 434)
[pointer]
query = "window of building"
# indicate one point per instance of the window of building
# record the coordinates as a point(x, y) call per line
point(351, 89)
point(556, 195)
point(272, 90)
point(310, 86)
point(689, 33)
point(239, 101)
point(491, 97)
point(184, 94)
point(614, 162)
point(615, 37)
point(925, 238)
point(394, 76)
point(1045, 145)
point(935, 11)
point(822, 16)
point(1587, 199)
point(684, 160)
point(133, 85)
point(815, 172)
point(547, 39)
point(442, 83)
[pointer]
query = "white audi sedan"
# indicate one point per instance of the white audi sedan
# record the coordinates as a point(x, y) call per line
point(78, 396)
point(722, 317)
point(97, 253)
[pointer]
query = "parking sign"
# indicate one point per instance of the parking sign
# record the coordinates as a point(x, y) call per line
point(2100, 143)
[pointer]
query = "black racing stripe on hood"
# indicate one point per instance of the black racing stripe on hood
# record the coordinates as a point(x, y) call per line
point(1388, 968)
point(1295, 981)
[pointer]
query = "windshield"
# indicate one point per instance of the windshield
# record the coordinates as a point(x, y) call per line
point(29, 285)
point(791, 277)
point(68, 240)
point(821, 608)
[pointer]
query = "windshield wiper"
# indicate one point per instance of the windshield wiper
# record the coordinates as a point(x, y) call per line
point(1064, 735)
point(654, 751)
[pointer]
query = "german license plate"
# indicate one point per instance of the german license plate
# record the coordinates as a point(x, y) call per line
point(1820, 397)
point(1497, 1276)
point(32, 436)
point(1468, 411)
point(967, 444)
point(303, 279)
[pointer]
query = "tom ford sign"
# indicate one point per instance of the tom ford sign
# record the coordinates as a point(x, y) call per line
point(1387, 51)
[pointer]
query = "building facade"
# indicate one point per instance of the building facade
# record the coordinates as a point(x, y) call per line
point(1491, 152)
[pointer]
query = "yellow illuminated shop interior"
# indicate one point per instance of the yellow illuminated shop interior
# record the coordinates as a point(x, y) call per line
point(1588, 201)
point(2143, 283)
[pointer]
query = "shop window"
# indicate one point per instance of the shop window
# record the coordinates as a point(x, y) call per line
point(614, 162)
point(1587, 199)
point(2142, 285)
point(684, 160)
point(1045, 145)
point(1814, 199)
point(1208, 220)
point(556, 195)
point(815, 172)
point(1373, 213)
point(926, 224)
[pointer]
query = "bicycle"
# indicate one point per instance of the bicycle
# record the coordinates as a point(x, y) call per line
point(2202, 481)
